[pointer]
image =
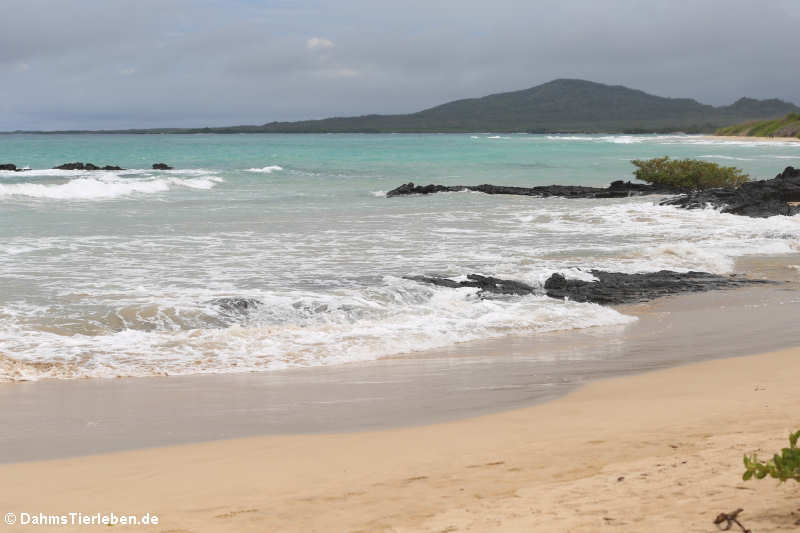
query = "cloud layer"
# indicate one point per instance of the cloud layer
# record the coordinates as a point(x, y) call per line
point(149, 63)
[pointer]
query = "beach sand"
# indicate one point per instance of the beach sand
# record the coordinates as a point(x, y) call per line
point(659, 451)
point(746, 138)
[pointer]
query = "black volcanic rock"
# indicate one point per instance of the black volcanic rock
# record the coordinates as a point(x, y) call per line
point(236, 305)
point(617, 189)
point(760, 199)
point(8, 166)
point(611, 288)
point(484, 283)
point(72, 166)
point(86, 166)
point(161, 166)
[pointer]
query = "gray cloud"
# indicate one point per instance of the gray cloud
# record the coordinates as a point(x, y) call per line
point(126, 63)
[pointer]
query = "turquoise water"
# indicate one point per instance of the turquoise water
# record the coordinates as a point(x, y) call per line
point(116, 273)
point(383, 159)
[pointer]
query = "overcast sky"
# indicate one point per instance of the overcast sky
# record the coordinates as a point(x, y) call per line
point(153, 63)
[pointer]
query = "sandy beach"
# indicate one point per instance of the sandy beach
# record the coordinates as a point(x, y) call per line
point(752, 139)
point(657, 451)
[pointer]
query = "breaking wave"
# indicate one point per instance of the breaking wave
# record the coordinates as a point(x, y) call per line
point(102, 188)
point(266, 170)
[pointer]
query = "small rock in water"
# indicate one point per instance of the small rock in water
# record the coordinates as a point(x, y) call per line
point(161, 166)
point(237, 305)
point(8, 166)
point(484, 283)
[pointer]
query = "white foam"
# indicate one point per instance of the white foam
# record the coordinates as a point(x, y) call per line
point(615, 139)
point(133, 304)
point(300, 330)
point(102, 187)
point(266, 170)
point(732, 158)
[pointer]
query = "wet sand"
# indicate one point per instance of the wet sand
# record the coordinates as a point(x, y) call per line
point(654, 452)
point(52, 419)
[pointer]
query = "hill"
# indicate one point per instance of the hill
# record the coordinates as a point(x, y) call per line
point(788, 126)
point(559, 106)
point(564, 106)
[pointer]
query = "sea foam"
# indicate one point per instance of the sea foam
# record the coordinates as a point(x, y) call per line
point(102, 188)
point(266, 170)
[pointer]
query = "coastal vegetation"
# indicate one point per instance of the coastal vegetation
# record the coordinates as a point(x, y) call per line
point(559, 106)
point(687, 174)
point(788, 126)
point(783, 466)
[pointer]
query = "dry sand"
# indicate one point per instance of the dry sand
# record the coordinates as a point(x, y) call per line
point(655, 452)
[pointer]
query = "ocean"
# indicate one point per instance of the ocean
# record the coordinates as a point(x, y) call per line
point(116, 273)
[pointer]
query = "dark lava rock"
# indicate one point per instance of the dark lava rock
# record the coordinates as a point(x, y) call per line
point(8, 166)
point(618, 189)
point(759, 199)
point(72, 166)
point(161, 166)
point(484, 283)
point(87, 166)
point(237, 305)
point(611, 288)
point(617, 288)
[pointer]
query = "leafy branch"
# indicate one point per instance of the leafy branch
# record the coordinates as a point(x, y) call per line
point(783, 466)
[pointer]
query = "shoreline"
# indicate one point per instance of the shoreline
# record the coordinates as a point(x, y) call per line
point(656, 450)
point(68, 418)
point(750, 139)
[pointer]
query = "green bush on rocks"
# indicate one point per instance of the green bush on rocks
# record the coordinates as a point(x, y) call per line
point(688, 174)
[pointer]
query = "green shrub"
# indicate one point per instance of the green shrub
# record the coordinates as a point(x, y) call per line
point(687, 174)
point(784, 466)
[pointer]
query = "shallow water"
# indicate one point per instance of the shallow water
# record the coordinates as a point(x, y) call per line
point(115, 273)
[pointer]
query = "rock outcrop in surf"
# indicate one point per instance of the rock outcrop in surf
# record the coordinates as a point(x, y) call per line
point(759, 199)
point(610, 288)
point(86, 166)
point(617, 189)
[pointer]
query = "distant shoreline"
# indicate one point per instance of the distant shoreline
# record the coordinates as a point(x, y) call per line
point(750, 138)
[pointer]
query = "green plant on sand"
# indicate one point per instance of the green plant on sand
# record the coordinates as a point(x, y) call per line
point(783, 466)
point(687, 174)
